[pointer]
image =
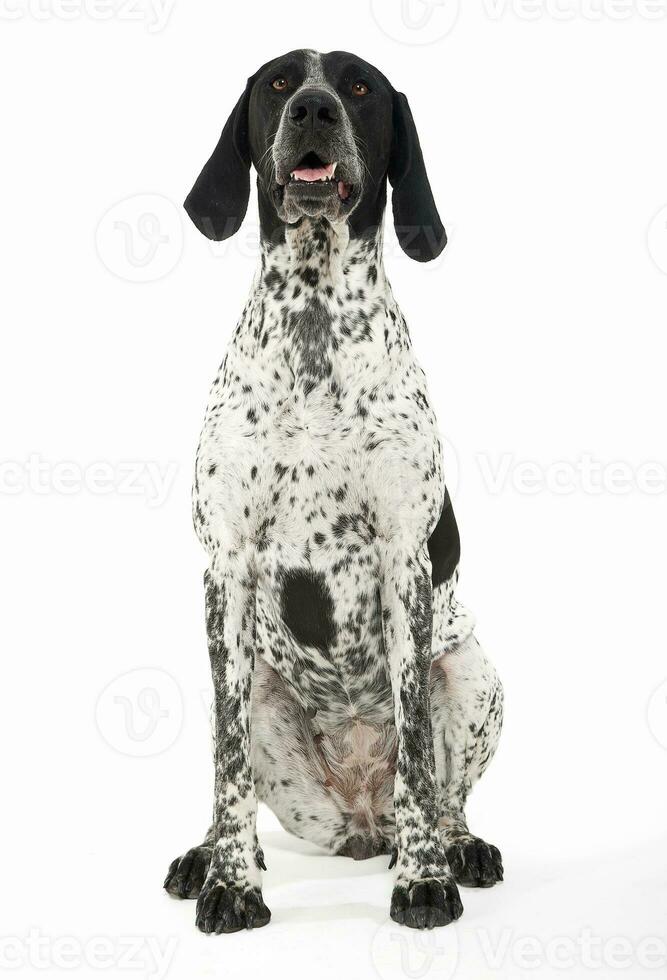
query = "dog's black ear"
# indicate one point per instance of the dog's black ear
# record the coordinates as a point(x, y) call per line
point(416, 219)
point(219, 199)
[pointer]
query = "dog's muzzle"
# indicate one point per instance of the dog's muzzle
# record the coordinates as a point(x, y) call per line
point(316, 163)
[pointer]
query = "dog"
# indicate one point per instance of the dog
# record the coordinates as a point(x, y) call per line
point(350, 693)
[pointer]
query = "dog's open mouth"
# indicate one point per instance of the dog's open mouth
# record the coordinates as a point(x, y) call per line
point(313, 170)
point(314, 186)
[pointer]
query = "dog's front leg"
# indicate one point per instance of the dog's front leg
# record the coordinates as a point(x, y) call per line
point(231, 897)
point(425, 893)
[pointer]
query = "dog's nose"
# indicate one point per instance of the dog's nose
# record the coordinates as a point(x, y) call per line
point(314, 109)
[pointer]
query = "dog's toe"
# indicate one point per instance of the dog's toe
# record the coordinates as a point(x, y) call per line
point(187, 874)
point(230, 908)
point(360, 847)
point(426, 903)
point(475, 863)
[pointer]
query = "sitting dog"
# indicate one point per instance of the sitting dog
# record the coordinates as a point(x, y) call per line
point(350, 694)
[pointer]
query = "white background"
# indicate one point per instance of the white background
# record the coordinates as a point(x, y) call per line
point(542, 331)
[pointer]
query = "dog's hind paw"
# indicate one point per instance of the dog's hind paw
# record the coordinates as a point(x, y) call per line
point(187, 874)
point(222, 907)
point(361, 847)
point(475, 863)
point(426, 903)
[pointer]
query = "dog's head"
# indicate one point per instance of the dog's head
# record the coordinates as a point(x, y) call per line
point(323, 132)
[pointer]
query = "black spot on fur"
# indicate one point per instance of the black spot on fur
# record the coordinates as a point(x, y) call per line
point(310, 276)
point(273, 279)
point(307, 608)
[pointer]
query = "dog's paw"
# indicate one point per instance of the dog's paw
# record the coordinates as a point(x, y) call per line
point(222, 907)
point(187, 874)
point(426, 903)
point(475, 863)
point(360, 847)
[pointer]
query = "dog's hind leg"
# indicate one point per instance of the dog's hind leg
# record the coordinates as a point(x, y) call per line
point(467, 713)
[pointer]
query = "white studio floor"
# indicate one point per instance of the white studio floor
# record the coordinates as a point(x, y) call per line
point(577, 917)
point(330, 919)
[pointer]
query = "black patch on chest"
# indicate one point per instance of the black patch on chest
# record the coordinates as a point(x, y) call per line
point(444, 545)
point(307, 608)
point(310, 331)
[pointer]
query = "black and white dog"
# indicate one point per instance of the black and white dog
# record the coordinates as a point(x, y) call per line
point(350, 693)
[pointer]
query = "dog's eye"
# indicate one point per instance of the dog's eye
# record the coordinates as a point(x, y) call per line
point(360, 89)
point(280, 83)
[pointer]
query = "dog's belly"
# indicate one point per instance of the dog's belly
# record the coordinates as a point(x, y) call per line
point(319, 626)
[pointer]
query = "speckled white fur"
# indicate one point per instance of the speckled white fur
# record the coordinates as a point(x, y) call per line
point(350, 692)
point(283, 462)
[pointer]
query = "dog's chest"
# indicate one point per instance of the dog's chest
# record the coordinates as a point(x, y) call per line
point(319, 471)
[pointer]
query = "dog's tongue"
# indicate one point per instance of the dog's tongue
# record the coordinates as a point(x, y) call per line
point(311, 174)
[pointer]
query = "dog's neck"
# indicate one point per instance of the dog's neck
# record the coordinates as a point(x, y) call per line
point(322, 306)
point(321, 256)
